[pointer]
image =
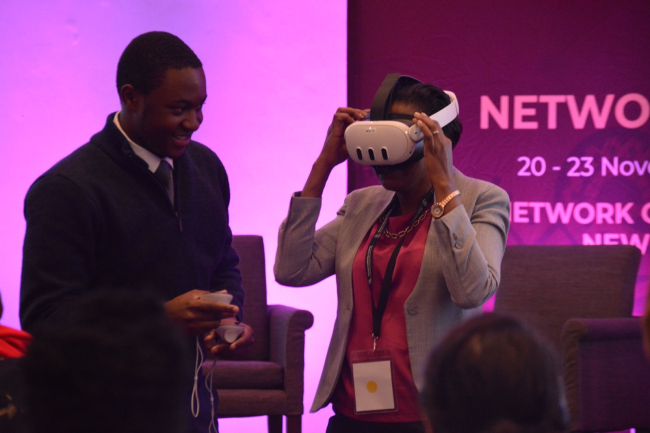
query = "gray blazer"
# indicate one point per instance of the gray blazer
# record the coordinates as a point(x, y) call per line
point(460, 268)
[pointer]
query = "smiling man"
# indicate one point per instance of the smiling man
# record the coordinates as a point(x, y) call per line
point(140, 206)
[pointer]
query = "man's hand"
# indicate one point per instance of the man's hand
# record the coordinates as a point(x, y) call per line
point(196, 316)
point(224, 350)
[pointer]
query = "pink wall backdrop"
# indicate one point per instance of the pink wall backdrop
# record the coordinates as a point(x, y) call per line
point(276, 71)
point(554, 97)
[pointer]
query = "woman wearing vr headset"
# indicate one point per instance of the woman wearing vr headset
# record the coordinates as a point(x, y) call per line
point(412, 257)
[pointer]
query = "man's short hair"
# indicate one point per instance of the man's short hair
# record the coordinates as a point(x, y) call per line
point(493, 373)
point(114, 363)
point(147, 58)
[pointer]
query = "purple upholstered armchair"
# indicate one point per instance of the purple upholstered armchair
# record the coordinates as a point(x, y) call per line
point(549, 285)
point(267, 379)
point(606, 374)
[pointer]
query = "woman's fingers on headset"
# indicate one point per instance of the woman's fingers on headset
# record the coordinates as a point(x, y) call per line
point(426, 125)
point(431, 129)
point(437, 147)
point(353, 112)
point(342, 116)
point(343, 120)
point(436, 144)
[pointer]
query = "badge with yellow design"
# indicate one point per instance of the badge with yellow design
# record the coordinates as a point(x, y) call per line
point(372, 374)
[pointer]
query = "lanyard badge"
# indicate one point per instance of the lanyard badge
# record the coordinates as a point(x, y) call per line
point(372, 375)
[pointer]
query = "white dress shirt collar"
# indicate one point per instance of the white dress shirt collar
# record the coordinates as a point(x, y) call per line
point(152, 160)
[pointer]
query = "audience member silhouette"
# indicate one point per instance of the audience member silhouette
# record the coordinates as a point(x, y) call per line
point(494, 374)
point(115, 364)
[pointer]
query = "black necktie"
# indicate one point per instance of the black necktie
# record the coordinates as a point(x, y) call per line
point(164, 175)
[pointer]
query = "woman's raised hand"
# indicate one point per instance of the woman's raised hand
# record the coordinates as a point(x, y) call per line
point(438, 158)
point(334, 151)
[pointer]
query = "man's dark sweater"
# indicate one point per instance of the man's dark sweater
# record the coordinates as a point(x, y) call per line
point(99, 218)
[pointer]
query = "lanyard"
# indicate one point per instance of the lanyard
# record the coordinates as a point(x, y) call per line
point(380, 309)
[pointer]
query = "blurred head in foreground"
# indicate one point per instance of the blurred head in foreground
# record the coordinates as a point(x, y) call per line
point(494, 374)
point(115, 364)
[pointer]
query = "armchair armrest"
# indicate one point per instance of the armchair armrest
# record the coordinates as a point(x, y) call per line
point(287, 340)
point(606, 374)
point(601, 329)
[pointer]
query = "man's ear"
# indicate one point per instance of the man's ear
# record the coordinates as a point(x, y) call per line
point(130, 98)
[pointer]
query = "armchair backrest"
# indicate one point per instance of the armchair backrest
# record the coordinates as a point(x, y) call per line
point(546, 285)
point(252, 267)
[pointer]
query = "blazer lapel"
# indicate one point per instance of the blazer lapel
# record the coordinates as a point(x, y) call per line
point(364, 209)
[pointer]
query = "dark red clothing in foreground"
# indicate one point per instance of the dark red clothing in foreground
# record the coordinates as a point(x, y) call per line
point(13, 342)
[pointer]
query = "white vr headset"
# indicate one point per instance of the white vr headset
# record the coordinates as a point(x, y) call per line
point(389, 142)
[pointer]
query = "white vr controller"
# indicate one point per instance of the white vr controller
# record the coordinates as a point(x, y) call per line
point(227, 333)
